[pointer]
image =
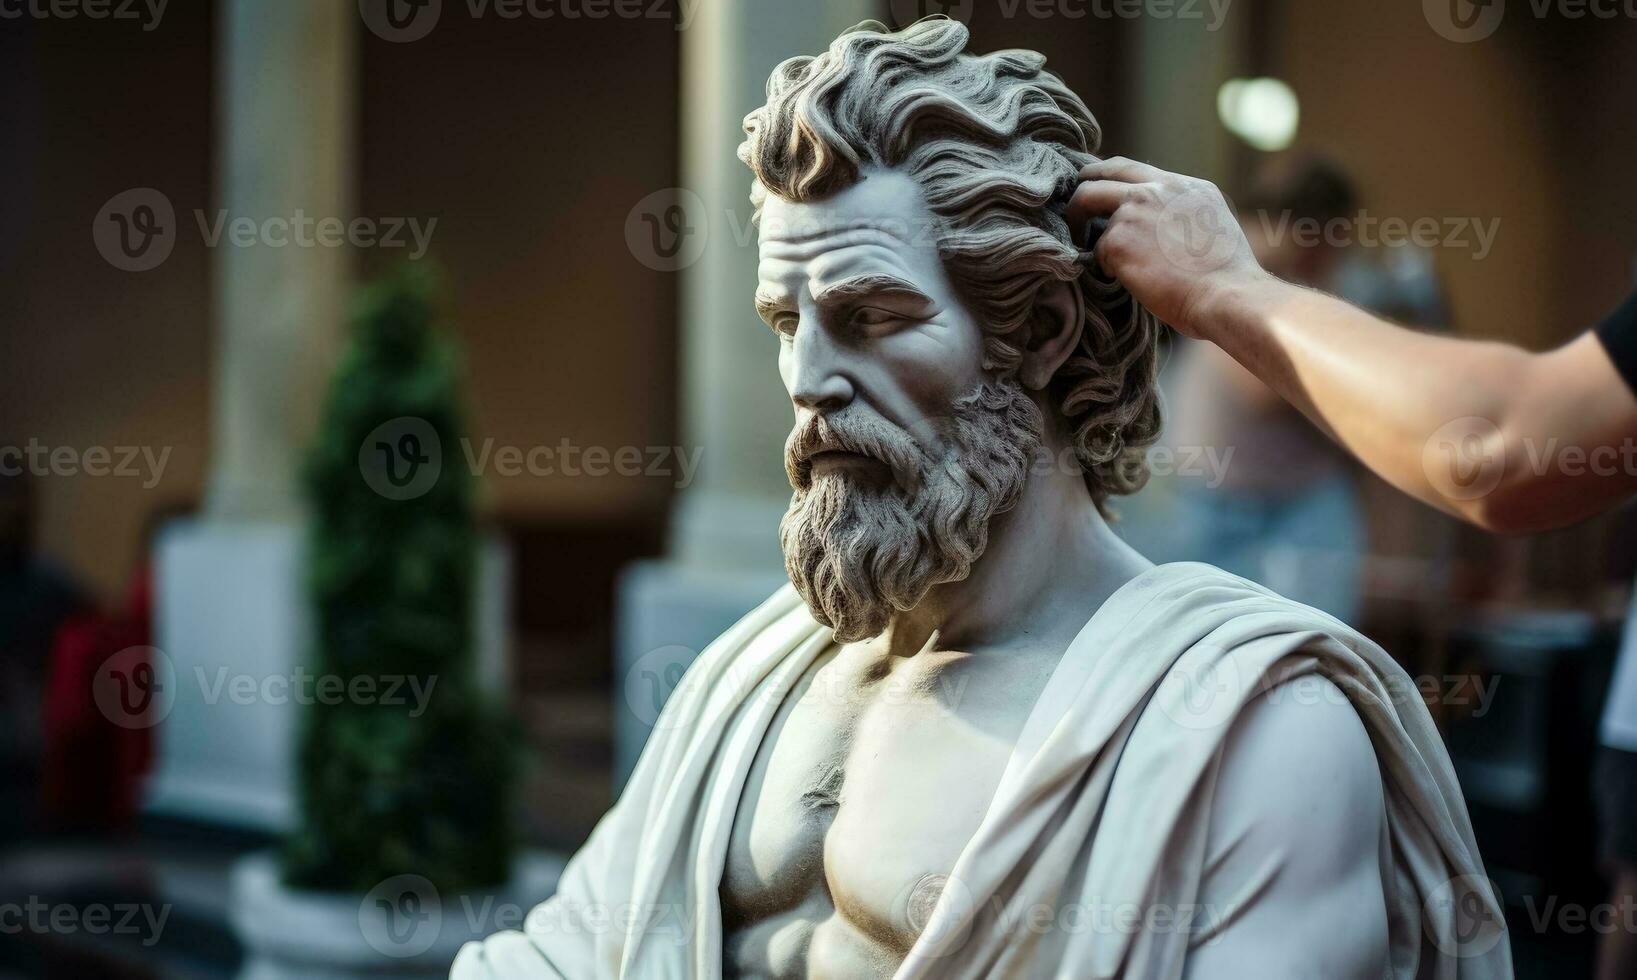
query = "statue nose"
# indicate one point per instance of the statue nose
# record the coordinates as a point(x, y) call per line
point(819, 382)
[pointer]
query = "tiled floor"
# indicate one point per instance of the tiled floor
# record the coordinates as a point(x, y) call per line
point(180, 883)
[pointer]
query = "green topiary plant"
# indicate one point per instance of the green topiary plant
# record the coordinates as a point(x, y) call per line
point(424, 786)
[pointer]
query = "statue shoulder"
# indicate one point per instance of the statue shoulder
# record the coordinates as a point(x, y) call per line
point(1298, 833)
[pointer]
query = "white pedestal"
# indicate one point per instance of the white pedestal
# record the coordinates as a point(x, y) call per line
point(231, 604)
point(667, 612)
point(402, 930)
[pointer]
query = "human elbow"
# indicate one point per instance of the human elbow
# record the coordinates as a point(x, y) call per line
point(1518, 505)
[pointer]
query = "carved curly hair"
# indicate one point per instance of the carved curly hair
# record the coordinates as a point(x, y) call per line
point(996, 144)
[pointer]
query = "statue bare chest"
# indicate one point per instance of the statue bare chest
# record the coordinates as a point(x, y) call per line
point(873, 776)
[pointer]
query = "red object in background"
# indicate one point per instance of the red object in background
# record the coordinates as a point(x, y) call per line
point(93, 767)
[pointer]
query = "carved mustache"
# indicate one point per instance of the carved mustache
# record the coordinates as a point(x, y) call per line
point(869, 437)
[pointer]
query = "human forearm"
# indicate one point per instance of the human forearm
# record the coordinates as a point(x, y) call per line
point(1486, 431)
point(1509, 440)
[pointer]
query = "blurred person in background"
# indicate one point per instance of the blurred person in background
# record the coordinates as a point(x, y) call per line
point(94, 761)
point(1279, 505)
point(1454, 423)
point(35, 600)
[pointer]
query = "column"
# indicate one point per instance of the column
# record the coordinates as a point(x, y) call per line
point(724, 552)
point(231, 602)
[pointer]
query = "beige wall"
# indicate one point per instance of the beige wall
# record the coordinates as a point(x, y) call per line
point(1509, 127)
point(528, 141)
point(90, 355)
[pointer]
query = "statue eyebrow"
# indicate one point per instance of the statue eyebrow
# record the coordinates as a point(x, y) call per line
point(768, 306)
point(851, 289)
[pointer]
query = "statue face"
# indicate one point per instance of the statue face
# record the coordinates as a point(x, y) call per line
point(904, 446)
point(868, 320)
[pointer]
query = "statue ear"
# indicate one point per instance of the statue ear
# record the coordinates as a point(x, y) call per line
point(1054, 332)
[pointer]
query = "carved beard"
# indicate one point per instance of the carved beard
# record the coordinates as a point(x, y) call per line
point(857, 550)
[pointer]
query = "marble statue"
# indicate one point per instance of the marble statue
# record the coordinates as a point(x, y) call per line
point(978, 735)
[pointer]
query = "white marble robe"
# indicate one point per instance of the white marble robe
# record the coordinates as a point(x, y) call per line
point(1105, 801)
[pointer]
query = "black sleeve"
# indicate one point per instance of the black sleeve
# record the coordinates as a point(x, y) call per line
point(1618, 332)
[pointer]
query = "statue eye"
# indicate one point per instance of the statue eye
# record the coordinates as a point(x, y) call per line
point(874, 316)
point(785, 325)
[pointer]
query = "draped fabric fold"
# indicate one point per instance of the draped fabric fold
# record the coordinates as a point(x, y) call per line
point(1105, 802)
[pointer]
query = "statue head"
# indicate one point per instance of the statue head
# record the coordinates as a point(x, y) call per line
point(938, 328)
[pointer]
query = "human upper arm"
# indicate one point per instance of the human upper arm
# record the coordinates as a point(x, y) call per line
point(1570, 437)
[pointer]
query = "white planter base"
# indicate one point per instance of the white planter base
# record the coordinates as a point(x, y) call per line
point(401, 929)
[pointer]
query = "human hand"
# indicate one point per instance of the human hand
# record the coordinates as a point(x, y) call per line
point(1171, 240)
